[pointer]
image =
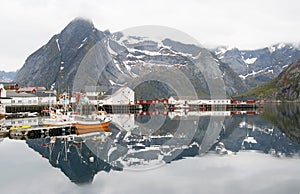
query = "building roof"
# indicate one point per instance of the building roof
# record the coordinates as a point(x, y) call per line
point(114, 89)
point(31, 88)
point(10, 93)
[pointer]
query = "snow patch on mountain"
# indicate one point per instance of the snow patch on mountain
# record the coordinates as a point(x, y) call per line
point(285, 66)
point(82, 43)
point(222, 50)
point(145, 52)
point(128, 67)
point(281, 45)
point(57, 43)
point(250, 61)
point(272, 49)
point(254, 73)
point(118, 66)
point(115, 84)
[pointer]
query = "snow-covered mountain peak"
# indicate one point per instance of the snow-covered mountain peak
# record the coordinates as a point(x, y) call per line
point(260, 65)
point(223, 49)
point(280, 46)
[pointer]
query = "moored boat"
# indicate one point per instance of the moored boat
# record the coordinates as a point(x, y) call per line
point(57, 118)
point(19, 127)
point(87, 126)
point(95, 122)
point(83, 124)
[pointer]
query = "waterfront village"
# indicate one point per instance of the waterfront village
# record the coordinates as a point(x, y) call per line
point(104, 105)
point(34, 99)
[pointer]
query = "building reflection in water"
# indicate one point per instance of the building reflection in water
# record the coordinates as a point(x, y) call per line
point(146, 141)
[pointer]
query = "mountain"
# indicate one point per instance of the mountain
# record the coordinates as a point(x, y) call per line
point(7, 76)
point(285, 87)
point(288, 84)
point(55, 64)
point(82, 55)
point(256, 67)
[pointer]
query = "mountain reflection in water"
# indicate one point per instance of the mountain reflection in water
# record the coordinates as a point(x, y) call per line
point(144, 142)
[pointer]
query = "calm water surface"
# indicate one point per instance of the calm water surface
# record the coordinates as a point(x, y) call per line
point(179, 152)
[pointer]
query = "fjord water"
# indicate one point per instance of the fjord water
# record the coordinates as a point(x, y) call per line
point(179, 152)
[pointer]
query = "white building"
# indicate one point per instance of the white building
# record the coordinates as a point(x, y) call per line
point(218, 101)
point(118, 96)
point(19, 99)
point(93, 93)
point(191, 100)
point(183, 100)
point(2, 91)
point(46, 98)
point(14, 98)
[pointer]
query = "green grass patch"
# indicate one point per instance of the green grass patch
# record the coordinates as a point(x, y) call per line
point(263, 91)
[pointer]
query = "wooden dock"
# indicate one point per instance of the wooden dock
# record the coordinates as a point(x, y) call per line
point(195, 105)
point(25, 108)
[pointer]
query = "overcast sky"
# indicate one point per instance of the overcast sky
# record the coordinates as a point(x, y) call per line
point(26, 25)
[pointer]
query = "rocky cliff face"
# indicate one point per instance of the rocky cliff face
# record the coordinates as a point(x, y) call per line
point(256, 67)
point(55, 64)
point(285, 87)
point(288, 83)
point(82, 55)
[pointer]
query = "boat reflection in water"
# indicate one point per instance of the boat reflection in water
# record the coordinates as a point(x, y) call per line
point(145, 141)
